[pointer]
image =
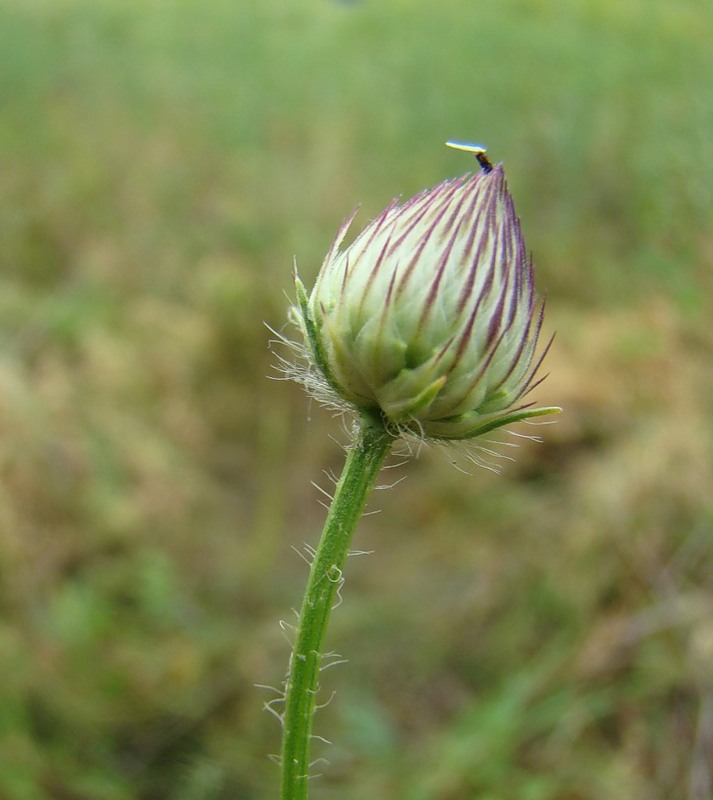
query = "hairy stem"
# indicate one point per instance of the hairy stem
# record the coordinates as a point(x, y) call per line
point(360, 470)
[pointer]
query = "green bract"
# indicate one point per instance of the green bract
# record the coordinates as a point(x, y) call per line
point(429, 319)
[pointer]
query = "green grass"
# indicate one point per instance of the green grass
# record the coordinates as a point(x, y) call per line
point(542, 635)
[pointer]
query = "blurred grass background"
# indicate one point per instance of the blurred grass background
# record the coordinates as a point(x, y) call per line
point(542, 635)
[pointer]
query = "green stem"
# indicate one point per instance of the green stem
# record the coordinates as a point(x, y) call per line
point(360, 470)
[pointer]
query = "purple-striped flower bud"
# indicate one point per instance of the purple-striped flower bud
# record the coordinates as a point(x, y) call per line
point(429, 319)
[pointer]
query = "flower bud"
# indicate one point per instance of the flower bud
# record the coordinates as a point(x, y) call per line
point(429, 319)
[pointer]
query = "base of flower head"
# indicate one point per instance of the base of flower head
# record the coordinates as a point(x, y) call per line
point(471, 448)
point(309, 366)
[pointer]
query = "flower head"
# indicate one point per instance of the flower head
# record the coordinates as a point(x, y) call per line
point(429, 319)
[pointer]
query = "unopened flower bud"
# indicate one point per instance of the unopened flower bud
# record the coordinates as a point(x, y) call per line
point(429, 319)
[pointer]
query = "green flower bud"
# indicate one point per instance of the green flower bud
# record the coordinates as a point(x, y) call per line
point(429, 319)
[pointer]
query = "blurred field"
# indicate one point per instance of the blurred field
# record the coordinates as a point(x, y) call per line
point(546, 634)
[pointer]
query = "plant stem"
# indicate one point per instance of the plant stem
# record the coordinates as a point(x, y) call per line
point(360, 470)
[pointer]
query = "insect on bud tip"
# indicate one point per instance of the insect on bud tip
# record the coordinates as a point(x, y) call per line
point(476, 149)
